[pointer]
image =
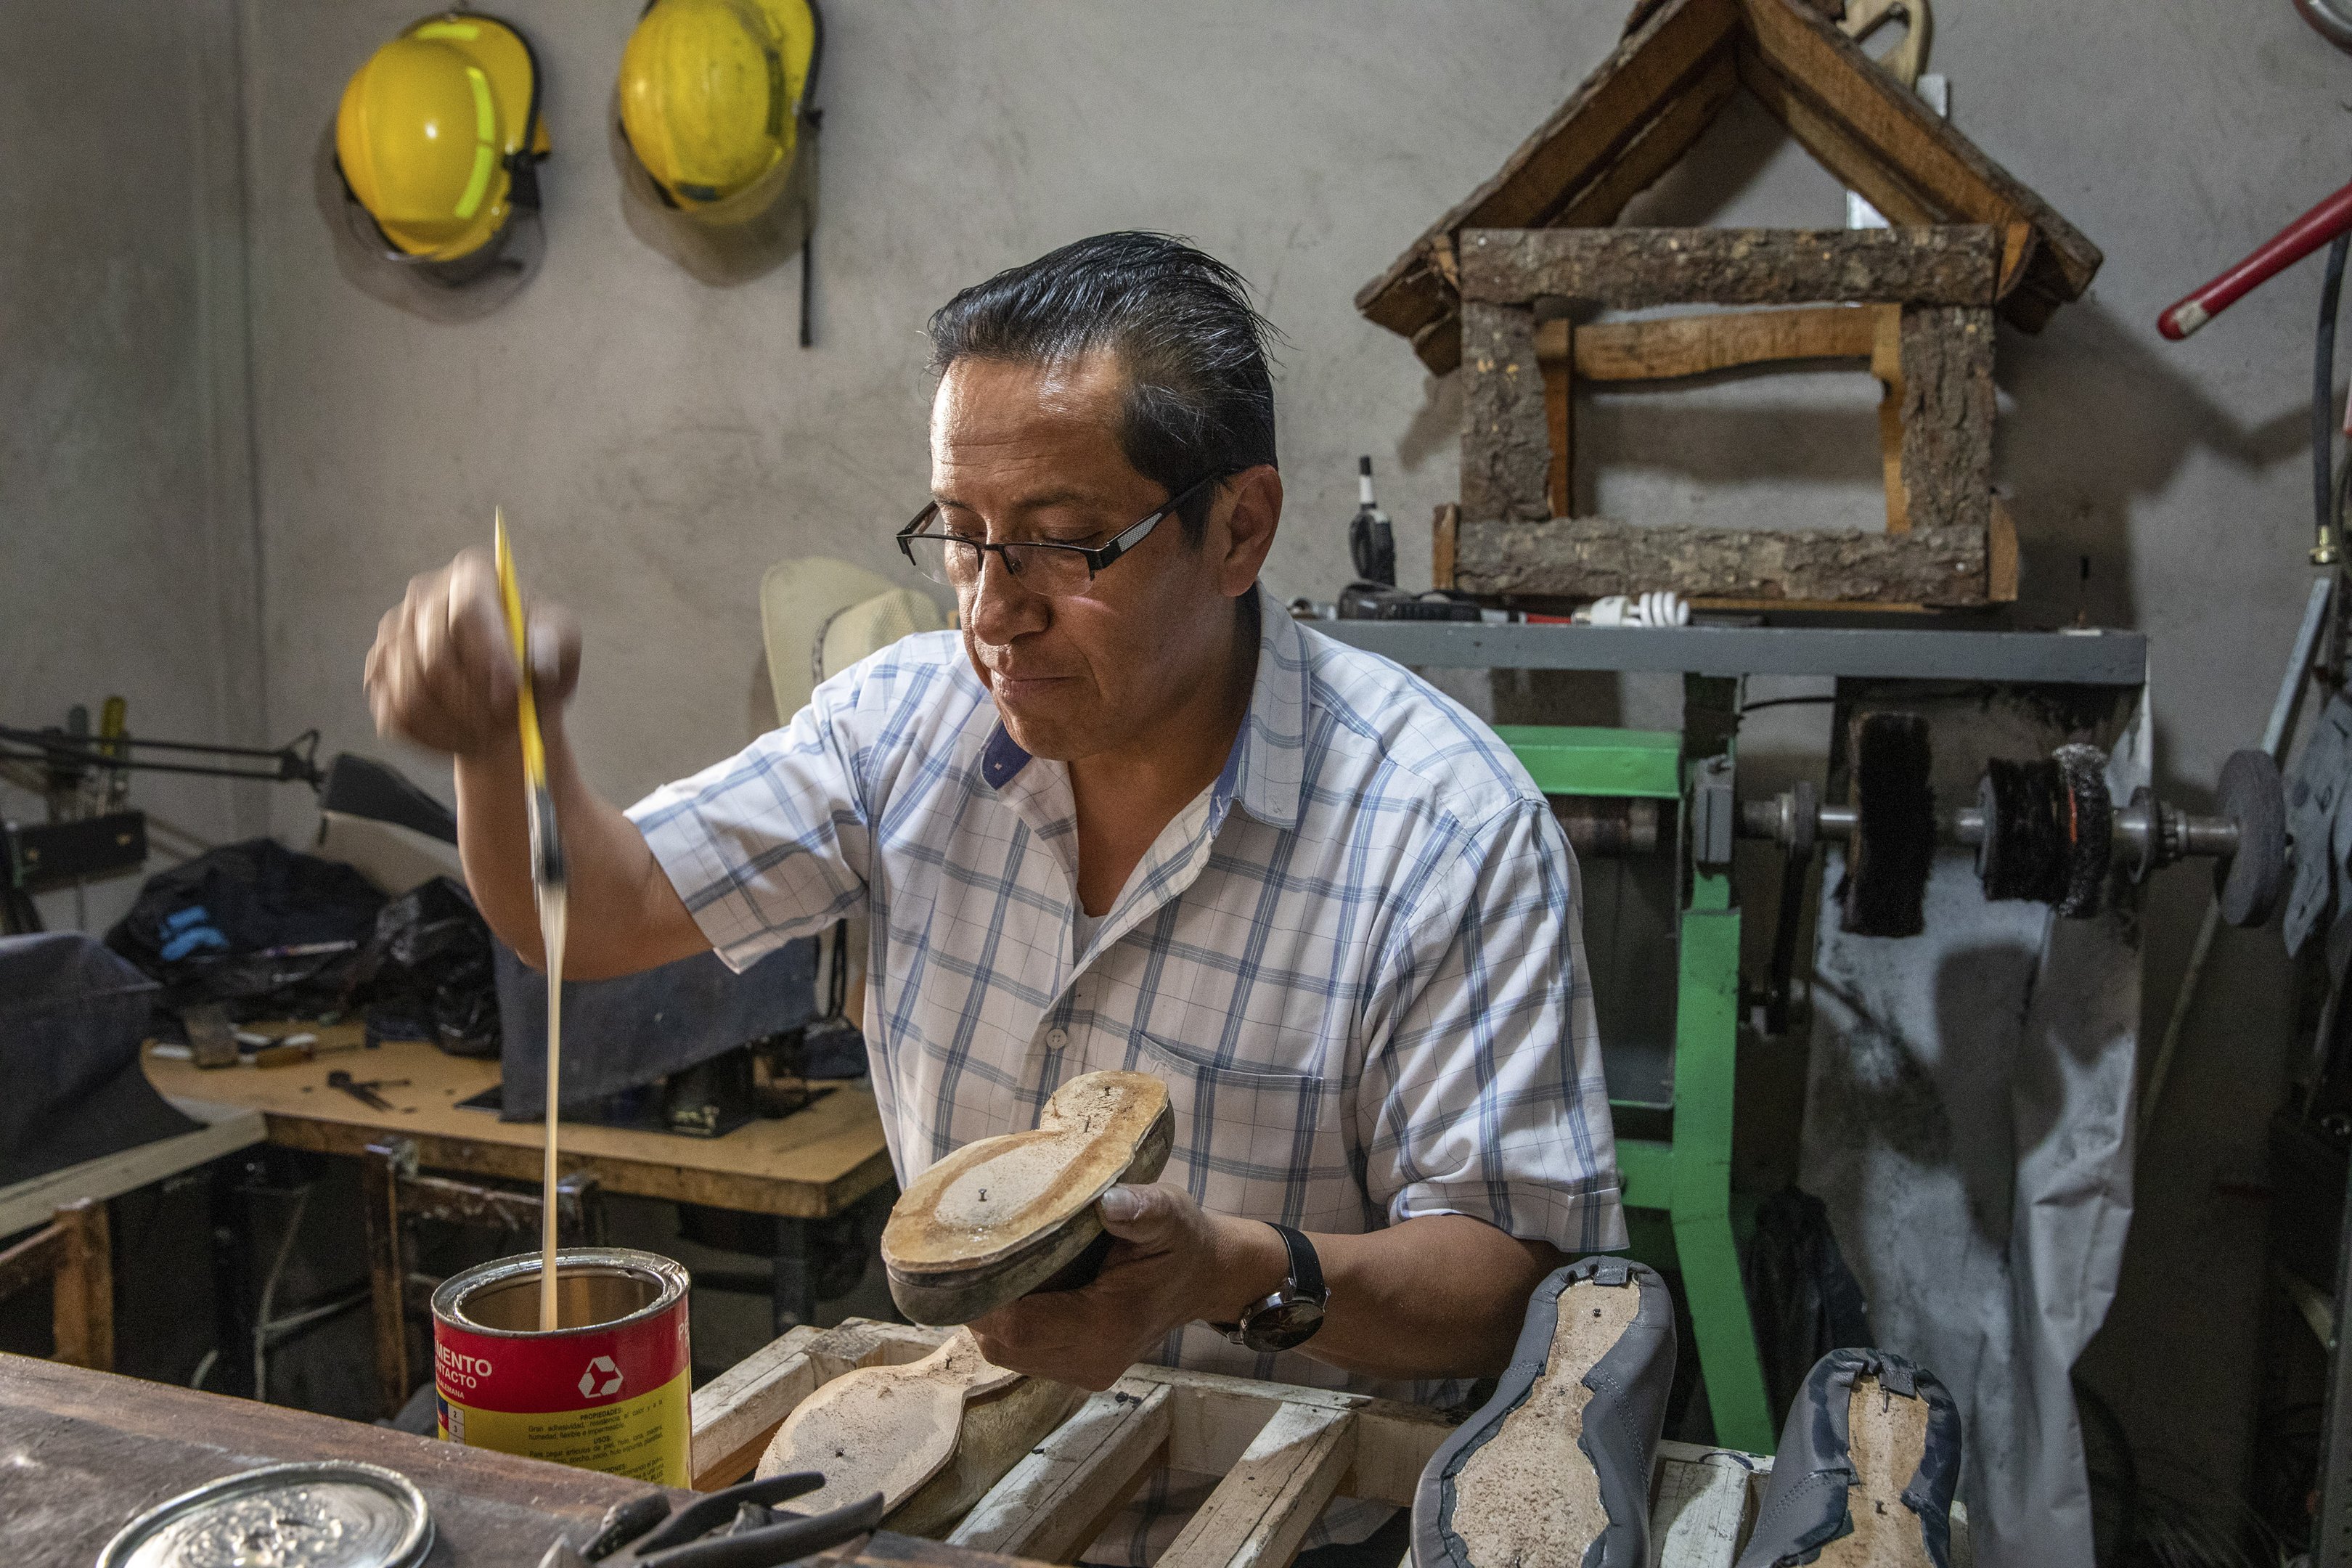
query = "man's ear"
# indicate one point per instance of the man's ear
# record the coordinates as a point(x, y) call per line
point(1248, 533)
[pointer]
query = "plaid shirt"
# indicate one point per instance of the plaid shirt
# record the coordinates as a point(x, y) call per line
point(1356, 959)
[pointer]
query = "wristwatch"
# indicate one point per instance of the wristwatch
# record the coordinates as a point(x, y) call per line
point(1288, 1318)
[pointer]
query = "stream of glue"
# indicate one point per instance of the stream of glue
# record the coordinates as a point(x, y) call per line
point(550, 890)
point(553, 908)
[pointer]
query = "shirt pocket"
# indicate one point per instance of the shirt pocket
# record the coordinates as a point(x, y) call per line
point(1253, 1142)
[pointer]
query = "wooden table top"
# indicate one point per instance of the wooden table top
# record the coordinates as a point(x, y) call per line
point(814, 1163)
point(83, 1453)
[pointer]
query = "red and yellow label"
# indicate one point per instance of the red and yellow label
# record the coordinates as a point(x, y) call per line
point(646, 1439)
point(614, 1400)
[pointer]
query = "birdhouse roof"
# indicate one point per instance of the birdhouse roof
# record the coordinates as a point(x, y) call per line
point(1679, 63)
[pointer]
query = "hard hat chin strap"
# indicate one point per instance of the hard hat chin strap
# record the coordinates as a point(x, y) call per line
point(522, 178)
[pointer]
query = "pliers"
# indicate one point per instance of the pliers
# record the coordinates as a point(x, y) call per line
point(736, 1528)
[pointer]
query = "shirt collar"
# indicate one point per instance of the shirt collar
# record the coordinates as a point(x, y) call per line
point(1265, 771)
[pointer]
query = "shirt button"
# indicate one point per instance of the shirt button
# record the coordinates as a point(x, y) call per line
point(1056, 1039)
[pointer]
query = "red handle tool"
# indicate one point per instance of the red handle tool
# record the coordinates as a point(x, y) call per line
point(2280, 251)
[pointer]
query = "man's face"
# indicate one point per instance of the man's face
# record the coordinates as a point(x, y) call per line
point(1027, 452)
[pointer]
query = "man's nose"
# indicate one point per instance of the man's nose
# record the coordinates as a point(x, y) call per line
point(1001, 608)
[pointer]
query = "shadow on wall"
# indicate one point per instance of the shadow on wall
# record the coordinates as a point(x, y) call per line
point(2103, 420)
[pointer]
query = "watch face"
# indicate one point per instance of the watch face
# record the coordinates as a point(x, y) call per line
point(1283, 1323)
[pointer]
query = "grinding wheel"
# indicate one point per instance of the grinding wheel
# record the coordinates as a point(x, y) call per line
point(1894, 841)
point(2248, 883)
point(2086, 818)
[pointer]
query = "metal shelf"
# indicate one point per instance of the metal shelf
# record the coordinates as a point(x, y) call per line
point(2101, 659)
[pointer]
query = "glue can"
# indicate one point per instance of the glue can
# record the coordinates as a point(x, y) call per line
point(607, 1392)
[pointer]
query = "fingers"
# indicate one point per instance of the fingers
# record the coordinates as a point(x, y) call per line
point(403, 703)
point(1146, 1214)
point(474, 618)
point(1063, 1335)
point(553, 644)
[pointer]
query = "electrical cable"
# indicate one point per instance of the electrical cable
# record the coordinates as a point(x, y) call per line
point(1786, 701)
point(2323, 402)
point(262, 1324)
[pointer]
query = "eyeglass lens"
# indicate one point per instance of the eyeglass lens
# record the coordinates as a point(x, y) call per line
point(1042, 568)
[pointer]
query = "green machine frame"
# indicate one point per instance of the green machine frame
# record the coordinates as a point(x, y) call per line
point(1679, 1186)
point(1684, 1176)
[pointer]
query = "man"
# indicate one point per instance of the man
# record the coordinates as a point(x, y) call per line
point(1131, 816)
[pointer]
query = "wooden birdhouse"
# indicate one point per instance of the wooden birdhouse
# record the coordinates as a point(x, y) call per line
point(1496, 284)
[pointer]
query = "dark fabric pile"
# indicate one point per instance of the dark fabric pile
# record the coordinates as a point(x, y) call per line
point(427, 974)
point(270, 933)
point(72, 1016)
point(267, 932)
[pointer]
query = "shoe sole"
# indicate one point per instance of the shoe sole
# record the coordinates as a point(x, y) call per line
point(1886, 1438)
point(887, 1429)
point(1527, 1494)
point(1002, 1216)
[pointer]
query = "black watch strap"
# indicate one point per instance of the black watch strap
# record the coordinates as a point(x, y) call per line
point(1306, 1268)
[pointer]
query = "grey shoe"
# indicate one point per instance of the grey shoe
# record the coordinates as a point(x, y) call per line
point(1555, 1470)
point(1869, 1431)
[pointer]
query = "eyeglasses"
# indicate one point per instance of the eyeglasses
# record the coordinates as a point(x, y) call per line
point(1053, 570)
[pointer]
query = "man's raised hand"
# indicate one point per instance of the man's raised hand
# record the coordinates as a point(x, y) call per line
point(442, 672)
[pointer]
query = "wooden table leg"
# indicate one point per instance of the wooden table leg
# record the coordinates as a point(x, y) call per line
point(82, 1310)
point(795, 1298)
point(232, 1276)
point(387, 1272)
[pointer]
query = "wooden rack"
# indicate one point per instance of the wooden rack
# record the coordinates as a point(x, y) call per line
point(1284, 1451)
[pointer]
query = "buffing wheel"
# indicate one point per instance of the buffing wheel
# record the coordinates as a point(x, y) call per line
point(1893, 840)
point(2248, 884)
point(2049, 829)
point(2023, 853)
point(2086, 818)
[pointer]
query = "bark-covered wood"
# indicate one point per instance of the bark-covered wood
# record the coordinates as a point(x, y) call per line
point(1608, 140)
point(1894, 128)
point(1947, 416)
point(1632, 269)
point(1506, 442)
point(1589, 557)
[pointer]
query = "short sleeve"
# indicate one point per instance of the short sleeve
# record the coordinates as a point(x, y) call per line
point(1482, 1090)
point(770, 843)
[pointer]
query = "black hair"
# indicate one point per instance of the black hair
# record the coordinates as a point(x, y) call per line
point(1200, 401)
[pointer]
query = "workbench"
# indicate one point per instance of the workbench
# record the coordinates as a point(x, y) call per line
point(811, 1164)
point(82, 1453)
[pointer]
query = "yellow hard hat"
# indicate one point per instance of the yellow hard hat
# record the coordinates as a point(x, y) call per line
point(711, 95)
point(438, 133)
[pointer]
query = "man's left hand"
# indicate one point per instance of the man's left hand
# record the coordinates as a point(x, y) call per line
point(1171, 1263)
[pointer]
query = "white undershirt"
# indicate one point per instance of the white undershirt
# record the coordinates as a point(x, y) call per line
point(1088, 925)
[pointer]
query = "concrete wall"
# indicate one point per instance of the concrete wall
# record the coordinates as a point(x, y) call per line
point(126, 522)
point(657, 443)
